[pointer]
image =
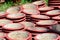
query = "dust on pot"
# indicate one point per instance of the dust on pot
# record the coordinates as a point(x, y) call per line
point(52, 13)
point(4, 22)
point(29, 6)
point(15, 16)
point(38, 29)
point(46, 22)
point(19, 35)
point(13, 26)
point(38, 3)
point(41, 17)
point(13, 10)
point(31, 11)
point(28, 24)
point(47, 36)
point(45, 8)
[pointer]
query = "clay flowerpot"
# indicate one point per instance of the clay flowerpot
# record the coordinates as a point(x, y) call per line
point(13, 26)
point(38, 3)
point(15, 16)
point(30, 12)
point(13, 10)
point(46, 22)
point(47, 36)
point(27, 25)
point(37, 29)
point(18, 17)
point(4, 22)
point(45, 8)
point(19, 35)
point(29, 6)
point(19, 20)
point(52, 13)
point(39, 17)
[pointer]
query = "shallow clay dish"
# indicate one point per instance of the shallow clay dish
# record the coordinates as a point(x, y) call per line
point(38, 29)
point(52, 13)
point(47, 36)
point(38, 3)
point(28, 24)
point(45, 8)
point(13, 10)
point(19, 35)
point(4, 22)
point(40, 16)
point(29, 6)
point(13, 26)
point(15, 16)
point(46, 22)
point(31, 11)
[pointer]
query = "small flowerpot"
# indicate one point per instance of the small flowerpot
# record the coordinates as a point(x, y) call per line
point(47, 36)
point(4, 22)
point(46, 22)
point(23, 35)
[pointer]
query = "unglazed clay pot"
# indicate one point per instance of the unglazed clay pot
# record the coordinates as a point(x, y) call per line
point(13, 26)
point(29, 6)
point(38, 3)
point(45, 8)
point(4, 22)
point(52, 13)
point(28, 24)
point(37, 29)
point(15, 16)
point(19, 20)
point(40, 17)
point(46, 22)
point(47, 36)
point(31, 11)
point(19, 35)
point(13, 10)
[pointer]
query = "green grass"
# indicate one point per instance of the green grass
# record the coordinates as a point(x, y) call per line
point(46, 2)
point(25, 1)
point(6, 5)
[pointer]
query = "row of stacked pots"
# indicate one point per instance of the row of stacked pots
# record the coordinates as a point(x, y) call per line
point(32, 21)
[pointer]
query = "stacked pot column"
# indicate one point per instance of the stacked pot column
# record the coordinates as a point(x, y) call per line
point(14, 14)
point(29, 9)
point(39, 3)
point(32, 28)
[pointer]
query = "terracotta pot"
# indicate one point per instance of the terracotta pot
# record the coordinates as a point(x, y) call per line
point(57, 37)
point(27, 38)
